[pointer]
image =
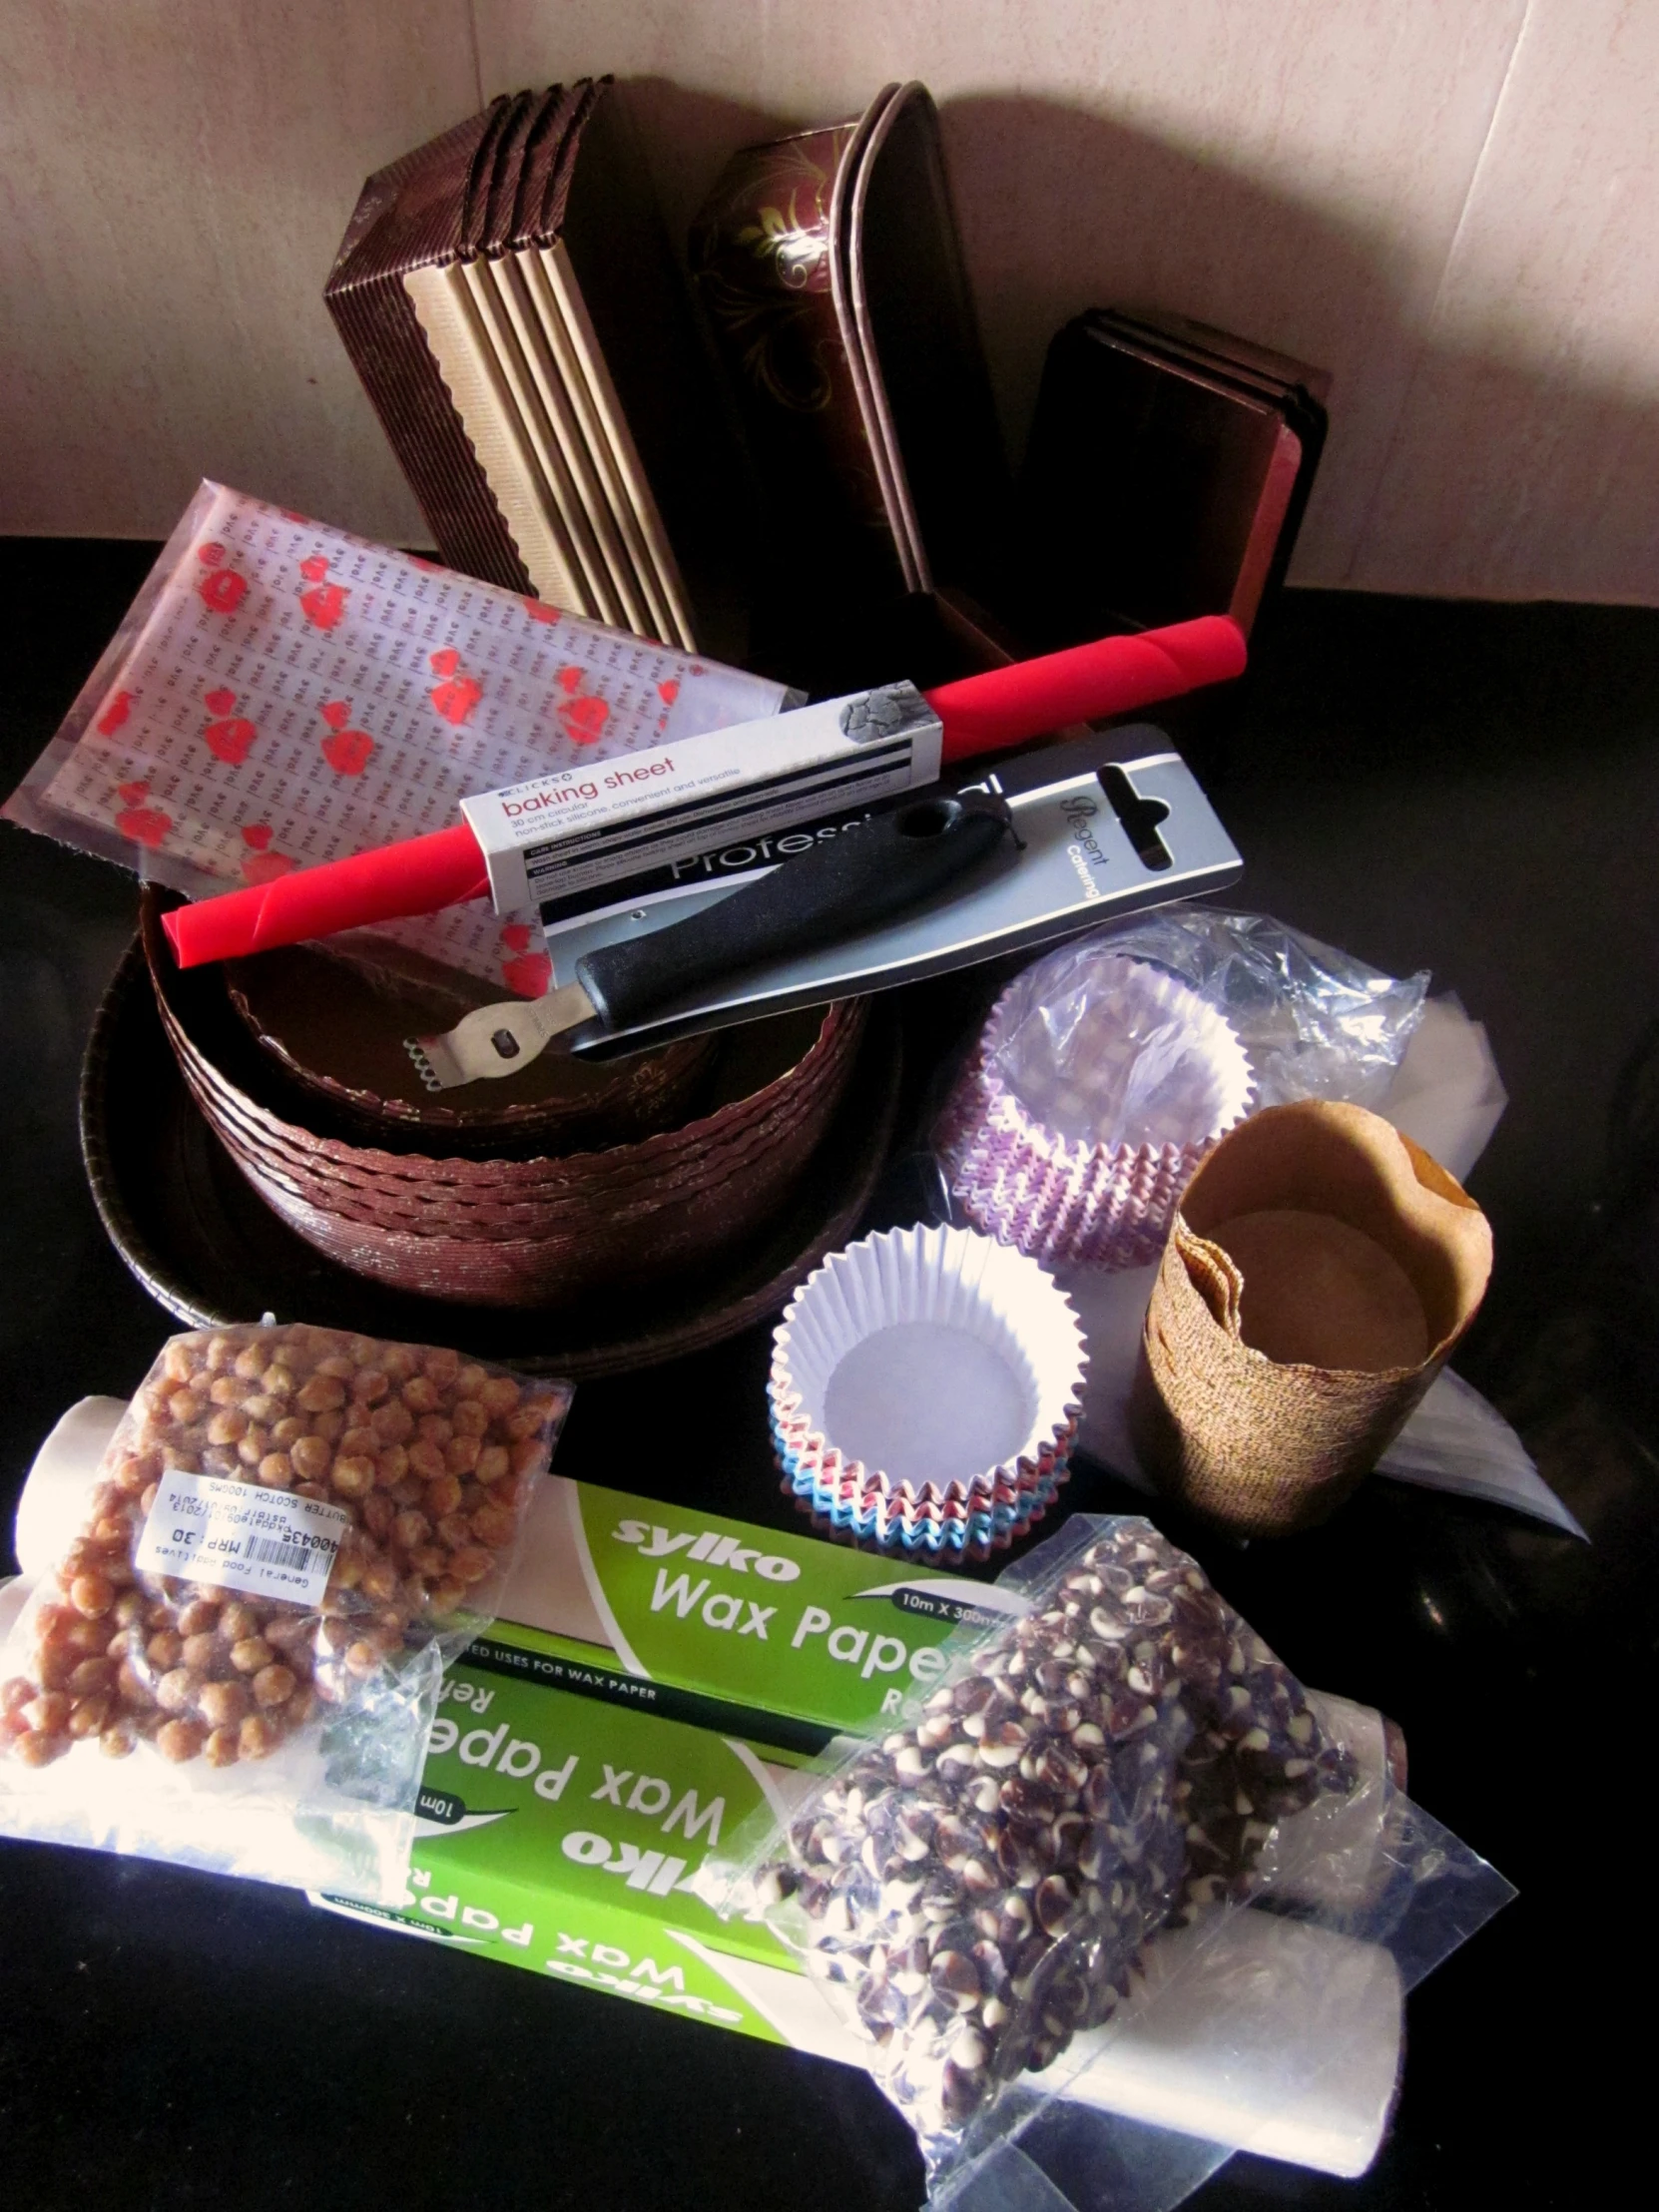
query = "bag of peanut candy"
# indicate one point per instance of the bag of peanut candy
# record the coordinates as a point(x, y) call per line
point(1114, 1890)
point(235, 1663)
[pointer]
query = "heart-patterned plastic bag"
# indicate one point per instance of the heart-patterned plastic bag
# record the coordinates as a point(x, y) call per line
point(281, 693)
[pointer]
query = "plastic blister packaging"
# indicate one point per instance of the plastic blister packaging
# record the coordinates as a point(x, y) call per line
point(1314, 1022)
point(235, 1661)
point(1119, 1879)
point(1109, 1068)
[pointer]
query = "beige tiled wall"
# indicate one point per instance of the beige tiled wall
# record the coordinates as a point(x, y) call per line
point(1449, 203)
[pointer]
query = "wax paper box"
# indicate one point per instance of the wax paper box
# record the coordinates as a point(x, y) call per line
point(656, 1672)
point(757, 1631)
point(563, 1833)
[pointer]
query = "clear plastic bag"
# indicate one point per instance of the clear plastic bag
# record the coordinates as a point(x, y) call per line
point(281, 693)
point(235, 1663)
point(1118, 1894)
point(1313, 1022)
point(1109, 1068)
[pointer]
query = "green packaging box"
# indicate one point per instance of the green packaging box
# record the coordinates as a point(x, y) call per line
point(565, 1833)
point(749, 1629)
point(655, 1677)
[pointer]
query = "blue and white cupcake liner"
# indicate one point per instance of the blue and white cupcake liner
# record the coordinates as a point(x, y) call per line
point(904, 1521)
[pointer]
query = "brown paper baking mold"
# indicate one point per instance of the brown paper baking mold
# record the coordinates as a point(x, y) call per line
point(1267, 1448)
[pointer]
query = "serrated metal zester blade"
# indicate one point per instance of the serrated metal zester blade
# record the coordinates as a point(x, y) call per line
point(497, 1040)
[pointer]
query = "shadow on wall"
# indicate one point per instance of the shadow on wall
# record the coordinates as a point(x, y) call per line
point(1447, 470)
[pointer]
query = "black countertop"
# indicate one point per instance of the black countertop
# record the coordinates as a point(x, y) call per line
point(1470, 789)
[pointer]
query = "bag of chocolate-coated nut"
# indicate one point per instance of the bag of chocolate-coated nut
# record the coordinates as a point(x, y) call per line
point(235, 1662)
point(1117, 1895)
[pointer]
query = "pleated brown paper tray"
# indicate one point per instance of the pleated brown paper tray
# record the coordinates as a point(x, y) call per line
point(336, 1027)
point(553, 1253)
point(756, 1069)
point(198, 1240)
point(449, 1196)
point(530, 1231)
point(749, 1176)
point(403, 1181)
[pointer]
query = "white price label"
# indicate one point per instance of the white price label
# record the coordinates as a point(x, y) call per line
point(242, 1537)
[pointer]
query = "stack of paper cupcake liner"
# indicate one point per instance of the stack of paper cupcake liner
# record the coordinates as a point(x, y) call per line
point(976, 1305)
point(949, 1544)
point(1062, 1198)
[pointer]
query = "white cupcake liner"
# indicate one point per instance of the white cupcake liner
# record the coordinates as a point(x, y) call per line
point(926, 1365)
point(1061, 1198)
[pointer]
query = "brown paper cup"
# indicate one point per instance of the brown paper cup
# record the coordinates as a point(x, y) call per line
point(1362, 1253)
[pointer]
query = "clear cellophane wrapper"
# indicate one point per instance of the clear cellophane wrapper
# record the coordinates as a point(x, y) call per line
point(1108, 1069)
point(235, 1662)
point(1116, 1895)
point(281, 693)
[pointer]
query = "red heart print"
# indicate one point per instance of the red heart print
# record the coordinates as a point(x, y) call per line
point(323, 604)
point(570, 679)
point(144, 824)
point(229, 741)
point(288, 514)
point(697, 668)
point(336, 714)
point(218, 701)
point(516, 936)
point(222, 590)
point(115, 714)
point(529, 974)
point(256, 834)
point(446, 662)
point(315, 569)
point(456, 700)
point(669, 691)
point(265, 868)
point(131, 794)
point(348, 751)
point(209, 555)
point(584, 719)
point(540, 612)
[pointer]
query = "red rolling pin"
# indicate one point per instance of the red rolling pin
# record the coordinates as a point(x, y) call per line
point(980, 714)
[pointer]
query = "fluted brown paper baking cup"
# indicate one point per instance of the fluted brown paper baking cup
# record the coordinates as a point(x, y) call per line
point(336, 1028)
point(1266, 1446)
point(513, 1231)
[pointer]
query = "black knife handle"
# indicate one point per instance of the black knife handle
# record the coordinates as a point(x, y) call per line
point(846, 884)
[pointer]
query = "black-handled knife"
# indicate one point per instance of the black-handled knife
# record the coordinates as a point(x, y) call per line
point(848, 882)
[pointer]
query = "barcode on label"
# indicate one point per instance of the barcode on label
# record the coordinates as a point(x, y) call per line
point(260, 1551)
point(211, 1531)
